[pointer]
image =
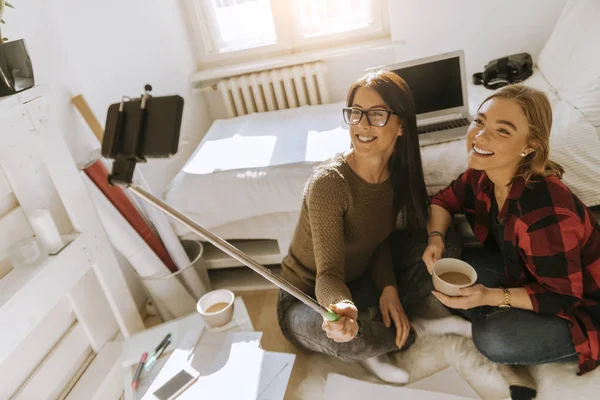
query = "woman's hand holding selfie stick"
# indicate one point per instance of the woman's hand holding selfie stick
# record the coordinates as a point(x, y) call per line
point(346, 328)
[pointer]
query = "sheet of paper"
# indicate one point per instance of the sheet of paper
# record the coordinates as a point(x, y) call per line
point(229, 366)
point(210, 354)
point(446, 381)
point(184, 332)
point(342, 387)
point(214, 350)
point(187, 345)
point(275, 375)
point(233, 374)
point(249, 373)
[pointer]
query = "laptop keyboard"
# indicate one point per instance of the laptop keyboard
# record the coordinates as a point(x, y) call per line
point(443, 126)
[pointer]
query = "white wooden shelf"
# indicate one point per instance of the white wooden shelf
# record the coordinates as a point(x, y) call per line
point(103, 379)
point(265, 252)
point(71, 355)
point(240, 279)
point(27, 294)
point(55, 316)
point(34, 349)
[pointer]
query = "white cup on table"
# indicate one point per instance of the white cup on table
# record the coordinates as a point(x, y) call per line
point(216, 307)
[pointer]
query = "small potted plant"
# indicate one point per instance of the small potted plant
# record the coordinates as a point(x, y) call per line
point(16, 71)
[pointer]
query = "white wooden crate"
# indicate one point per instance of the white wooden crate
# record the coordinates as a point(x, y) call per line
point(57, 315)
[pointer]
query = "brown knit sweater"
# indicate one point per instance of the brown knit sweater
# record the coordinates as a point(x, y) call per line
point(341, 233)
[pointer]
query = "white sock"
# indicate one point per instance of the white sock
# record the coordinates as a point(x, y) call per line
point(442, 326)
point(383, 368)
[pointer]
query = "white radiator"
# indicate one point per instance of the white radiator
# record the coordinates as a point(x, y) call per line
point(276, 89)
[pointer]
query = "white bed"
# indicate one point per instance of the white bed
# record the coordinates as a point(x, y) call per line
point(249, 172)
point(245, 179)
point(256, 165)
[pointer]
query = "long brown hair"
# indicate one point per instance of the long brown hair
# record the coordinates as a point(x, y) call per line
point(405, 167)
point(536, 107)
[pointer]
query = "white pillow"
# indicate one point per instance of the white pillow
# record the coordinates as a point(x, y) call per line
point(571, 57)
point(585, 98)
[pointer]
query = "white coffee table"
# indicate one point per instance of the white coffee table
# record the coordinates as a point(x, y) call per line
point(135, 345)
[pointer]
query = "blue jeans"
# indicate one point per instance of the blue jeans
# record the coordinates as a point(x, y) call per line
point(302, 326)
point(513, 336)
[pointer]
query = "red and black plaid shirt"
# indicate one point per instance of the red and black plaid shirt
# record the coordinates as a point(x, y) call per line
point(551, 248)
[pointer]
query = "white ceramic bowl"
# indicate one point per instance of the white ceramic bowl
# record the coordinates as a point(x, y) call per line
point(220, 317)
point(451, 265)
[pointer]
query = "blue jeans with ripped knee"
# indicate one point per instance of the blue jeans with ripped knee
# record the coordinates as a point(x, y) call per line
point(513, 336)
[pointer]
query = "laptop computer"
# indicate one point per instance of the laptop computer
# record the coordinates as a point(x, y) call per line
point(439, 87)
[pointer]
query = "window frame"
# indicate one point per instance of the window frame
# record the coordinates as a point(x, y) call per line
point(288, 34)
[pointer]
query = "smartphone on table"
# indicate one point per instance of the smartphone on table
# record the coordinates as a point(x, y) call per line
point(175, 386)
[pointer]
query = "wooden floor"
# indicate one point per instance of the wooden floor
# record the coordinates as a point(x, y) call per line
point(262, 308)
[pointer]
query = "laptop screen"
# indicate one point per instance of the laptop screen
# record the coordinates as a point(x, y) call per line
point(435, 85)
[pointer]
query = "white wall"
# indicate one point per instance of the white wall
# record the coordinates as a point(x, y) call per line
point(106, 49)
point(341, 72)
point(486, 30)
point(103, 50)
point(344, 70)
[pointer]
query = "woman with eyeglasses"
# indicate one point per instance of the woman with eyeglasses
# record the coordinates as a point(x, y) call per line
point(342, 251)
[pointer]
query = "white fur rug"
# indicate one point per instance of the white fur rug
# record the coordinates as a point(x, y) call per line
point(430, 355)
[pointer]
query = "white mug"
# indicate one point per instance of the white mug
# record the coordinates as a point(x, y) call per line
point(452, 265)
point(222, 315)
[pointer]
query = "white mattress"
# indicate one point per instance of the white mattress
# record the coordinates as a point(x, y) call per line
point(246, 178)
point(256, 165)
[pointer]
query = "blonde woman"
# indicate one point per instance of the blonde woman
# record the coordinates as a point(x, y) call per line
point(538, 298)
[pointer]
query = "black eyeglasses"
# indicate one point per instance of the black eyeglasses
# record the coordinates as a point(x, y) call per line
point(377, 117)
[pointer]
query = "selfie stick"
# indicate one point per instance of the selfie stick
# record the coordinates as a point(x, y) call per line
point(123, 167)
point(232, 251)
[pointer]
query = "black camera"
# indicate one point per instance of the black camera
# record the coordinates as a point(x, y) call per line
point(504, 71)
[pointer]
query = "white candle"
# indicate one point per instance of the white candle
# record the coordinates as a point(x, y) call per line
point(45, 230)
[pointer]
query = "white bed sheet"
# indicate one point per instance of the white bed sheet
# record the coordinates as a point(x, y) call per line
point(256, 164)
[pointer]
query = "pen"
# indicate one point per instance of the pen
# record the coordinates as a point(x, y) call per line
point(162, 349)
point(138, 372)
point(158, 351)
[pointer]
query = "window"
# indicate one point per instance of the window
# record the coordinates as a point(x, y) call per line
point(240, 24)
point(234, 28)
point(326, 17)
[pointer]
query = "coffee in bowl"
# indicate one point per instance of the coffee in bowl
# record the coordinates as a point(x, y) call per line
point(450, 275)
point(216, 307)
point(455, 278)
